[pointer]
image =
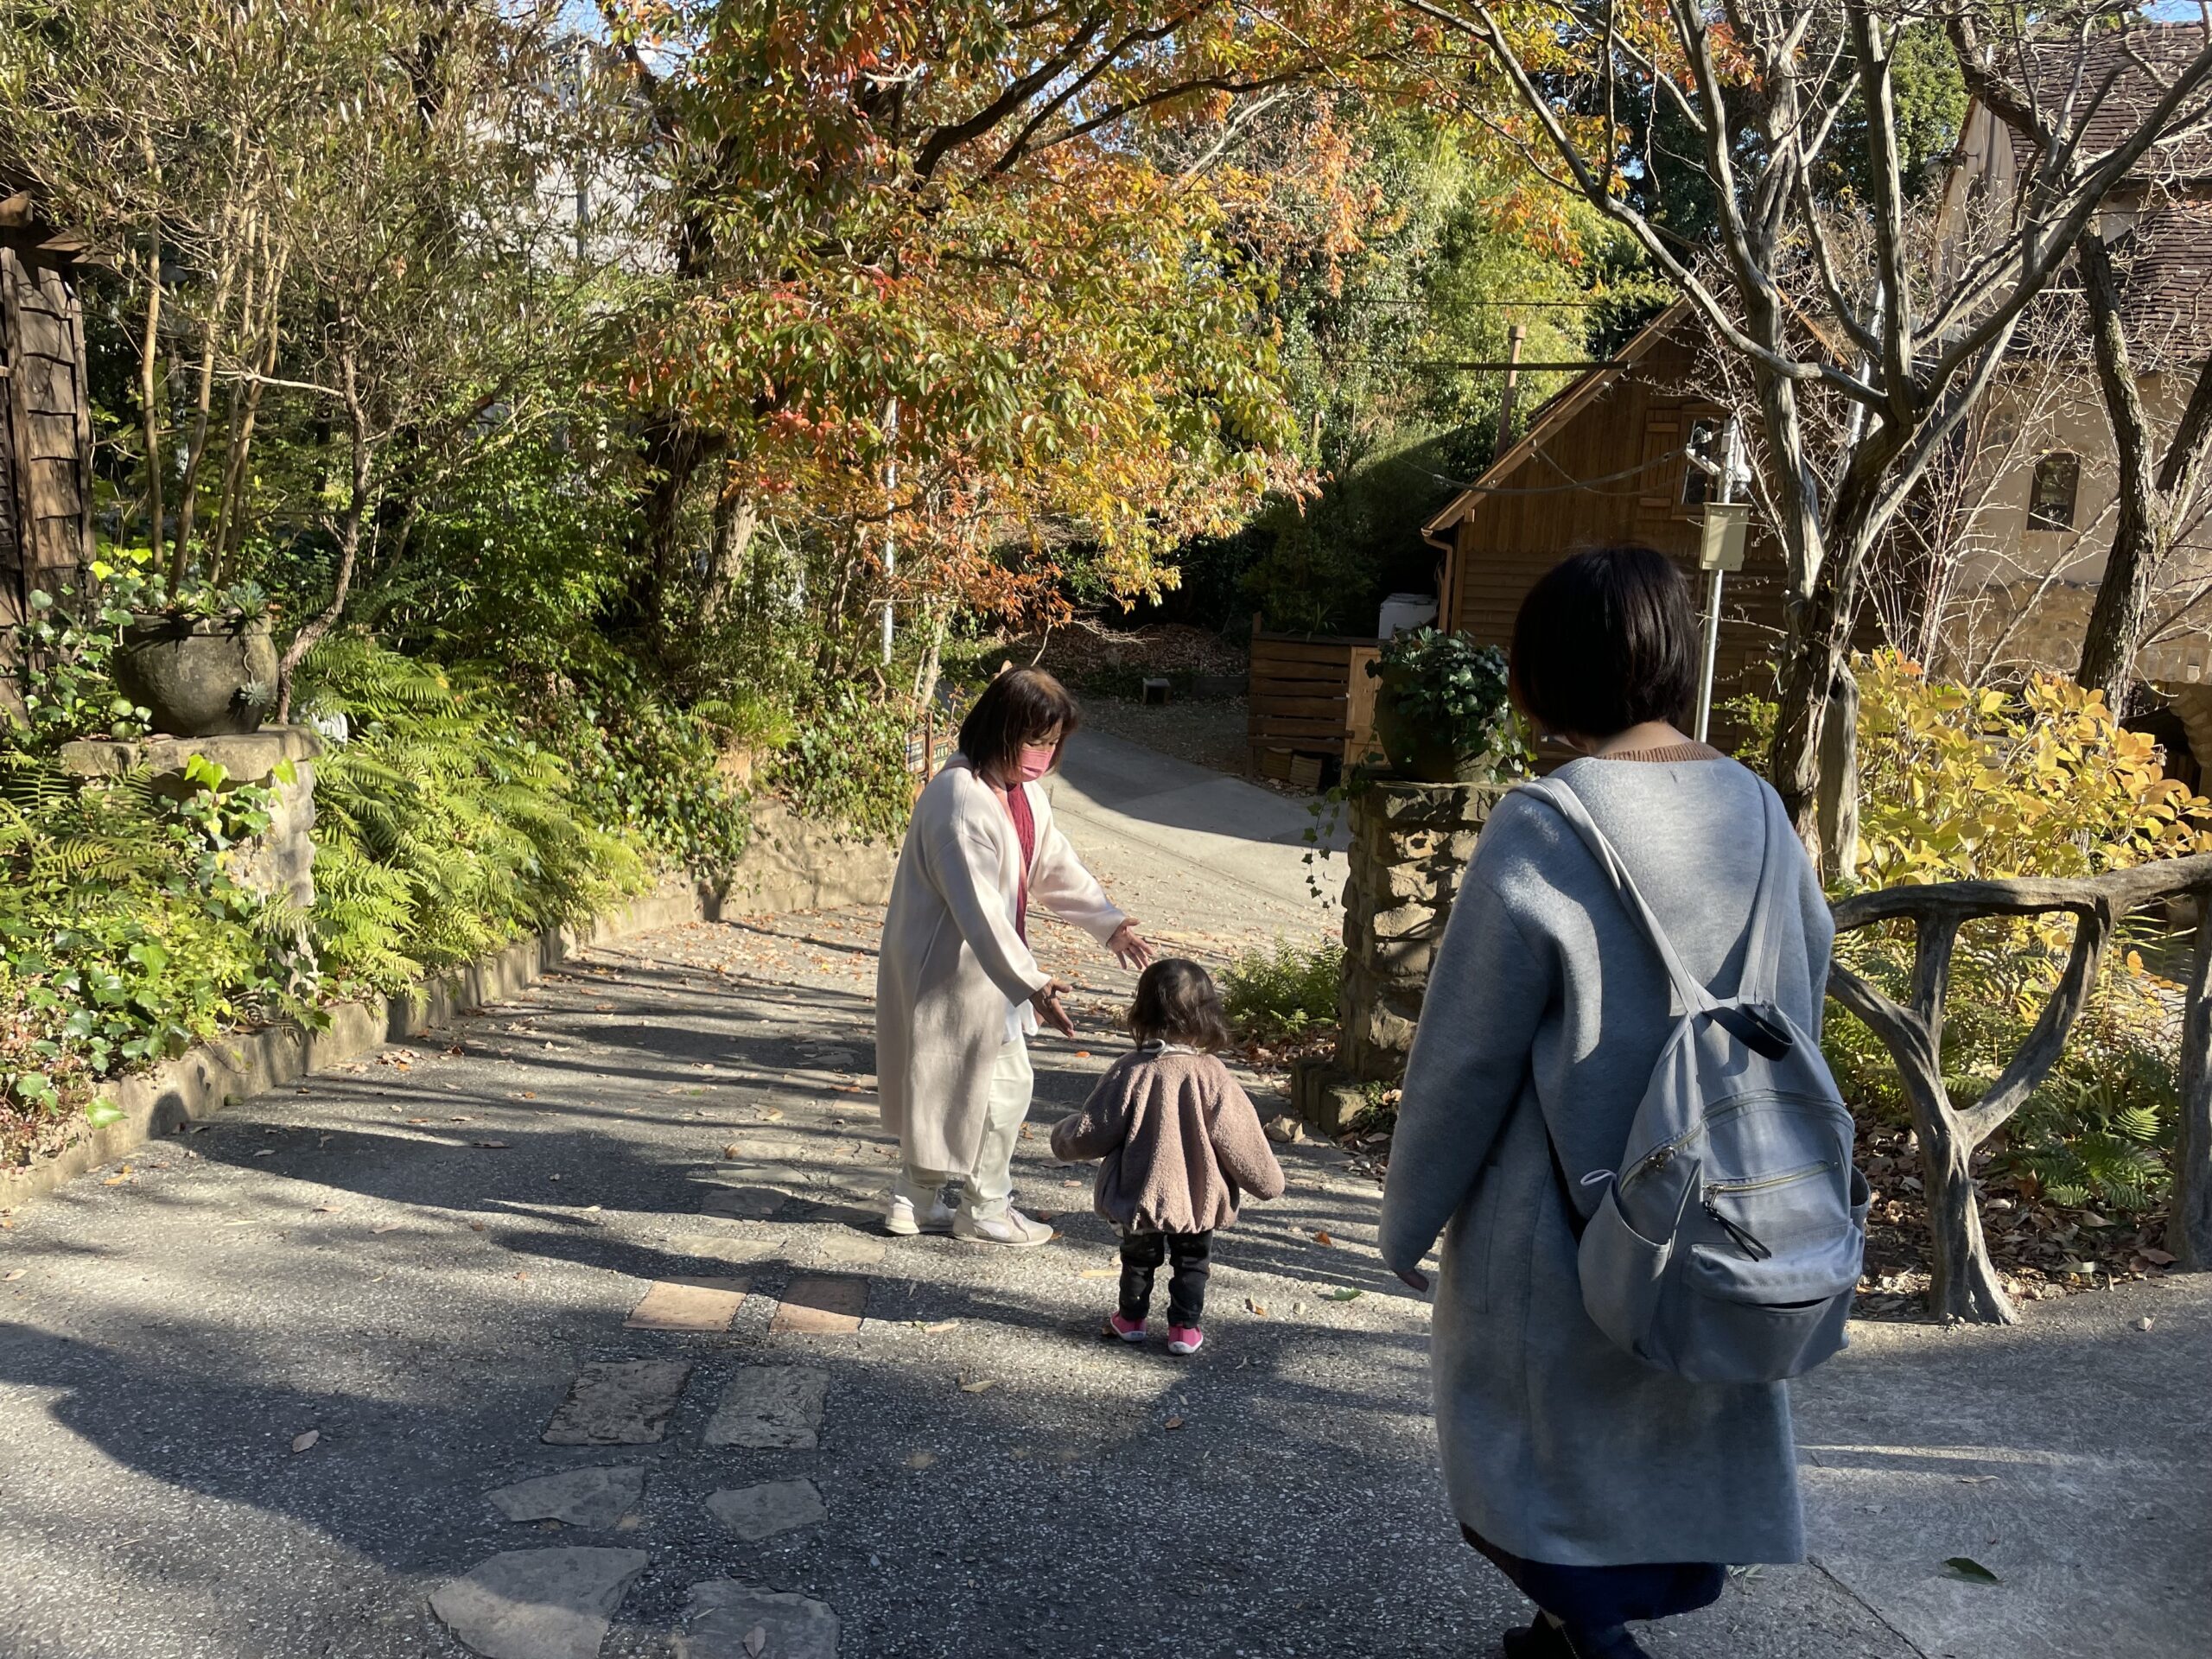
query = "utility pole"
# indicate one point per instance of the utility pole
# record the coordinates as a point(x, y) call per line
point(890, 518)
point(1514, 336)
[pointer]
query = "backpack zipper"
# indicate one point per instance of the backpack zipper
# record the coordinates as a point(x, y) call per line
point(1765, 1181)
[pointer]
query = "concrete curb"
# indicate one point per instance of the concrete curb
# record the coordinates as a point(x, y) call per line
point(792, 868)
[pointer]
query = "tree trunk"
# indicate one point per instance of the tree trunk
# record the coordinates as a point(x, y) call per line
point(2188, 1232)
point(673, 450)
point(2141, 527)
point(736, 516)
point(1838, 783)
point(150, 407)
point(349, 540)
point(1964, 1283)
point(1816, 657)
point(203, 403)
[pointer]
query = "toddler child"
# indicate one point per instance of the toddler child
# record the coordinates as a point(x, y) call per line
point(1181, 1143)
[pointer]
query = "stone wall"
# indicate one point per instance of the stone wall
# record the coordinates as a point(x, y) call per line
point(280, 860)
point(1410, 842)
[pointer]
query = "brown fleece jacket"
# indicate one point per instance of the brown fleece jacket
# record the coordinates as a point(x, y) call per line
point(1181, 1142)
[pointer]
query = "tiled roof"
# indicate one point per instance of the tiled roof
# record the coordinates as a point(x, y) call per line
point(2164, 264)
point(2140, 63)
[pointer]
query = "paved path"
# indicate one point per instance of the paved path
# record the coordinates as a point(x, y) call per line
point(569, 1333)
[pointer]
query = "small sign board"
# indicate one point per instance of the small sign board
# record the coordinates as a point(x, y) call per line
point(1720, 541)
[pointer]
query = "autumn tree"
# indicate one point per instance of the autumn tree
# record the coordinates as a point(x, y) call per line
point(979, 281)
point(1763, 94)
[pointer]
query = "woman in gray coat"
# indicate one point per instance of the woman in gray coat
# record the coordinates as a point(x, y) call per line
point(1606, 1489)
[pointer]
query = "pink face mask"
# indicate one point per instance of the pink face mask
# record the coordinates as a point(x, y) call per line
point(1037, 760)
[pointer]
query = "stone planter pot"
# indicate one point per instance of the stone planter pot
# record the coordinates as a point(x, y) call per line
point(1419, 751)
point(200, 677)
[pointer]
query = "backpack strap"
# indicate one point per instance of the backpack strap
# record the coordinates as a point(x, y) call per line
point(1694, 997)
point(1762, 953)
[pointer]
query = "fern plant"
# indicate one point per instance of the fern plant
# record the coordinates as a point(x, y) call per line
point(442, 830)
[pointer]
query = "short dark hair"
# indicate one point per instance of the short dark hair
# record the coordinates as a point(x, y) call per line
point(1606, 641)
point(1177, 1002)
point(1019, 707)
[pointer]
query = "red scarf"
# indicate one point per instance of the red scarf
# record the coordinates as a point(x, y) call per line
point(1025, 829)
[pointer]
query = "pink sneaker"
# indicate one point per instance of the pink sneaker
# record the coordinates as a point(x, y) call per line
point(1127, 1329)
point(1185, 1338)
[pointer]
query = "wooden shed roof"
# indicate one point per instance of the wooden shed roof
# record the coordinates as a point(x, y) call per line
point(1554, 413)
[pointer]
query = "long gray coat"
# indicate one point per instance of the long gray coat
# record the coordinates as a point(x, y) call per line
point(1547, 1005)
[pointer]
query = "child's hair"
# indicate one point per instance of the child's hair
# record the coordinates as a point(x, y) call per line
point(1176, 1002)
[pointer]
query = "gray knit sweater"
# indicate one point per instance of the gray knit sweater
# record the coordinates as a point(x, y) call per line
point(1545, 1010)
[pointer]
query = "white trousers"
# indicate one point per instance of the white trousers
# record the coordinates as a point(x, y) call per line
point(985, 1189)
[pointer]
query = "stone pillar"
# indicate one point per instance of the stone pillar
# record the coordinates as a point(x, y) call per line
point(1410, 842)
point(281, 860)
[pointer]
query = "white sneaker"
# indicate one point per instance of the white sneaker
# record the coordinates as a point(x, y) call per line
point(902, 1219)
point(1013, 1228)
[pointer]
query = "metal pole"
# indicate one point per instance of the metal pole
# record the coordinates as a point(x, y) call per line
point(890, 521)
point(1731, 452)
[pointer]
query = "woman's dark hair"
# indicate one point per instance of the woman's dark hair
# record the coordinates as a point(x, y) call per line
point(1606, 641)
point(1019, 707)
point(1176, 1002)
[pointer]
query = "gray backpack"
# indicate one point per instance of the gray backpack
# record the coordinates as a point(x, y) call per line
point(1727, 1246)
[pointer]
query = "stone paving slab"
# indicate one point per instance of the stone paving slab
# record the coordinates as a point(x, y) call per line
point(538, 1604)
point(729, 1620)
point(596, 1498)
point(619, 1403)
point(771, 1406)
point(700, 1305)
point(821, 1304)
point(753, 1513)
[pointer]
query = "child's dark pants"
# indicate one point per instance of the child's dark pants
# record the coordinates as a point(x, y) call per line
point(1141, 1255)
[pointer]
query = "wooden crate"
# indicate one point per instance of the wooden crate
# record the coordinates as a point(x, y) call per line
point(1309, 694)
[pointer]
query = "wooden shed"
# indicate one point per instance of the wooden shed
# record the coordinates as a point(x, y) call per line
point(45, 434)
point(1310, 700)
point(1607, 462)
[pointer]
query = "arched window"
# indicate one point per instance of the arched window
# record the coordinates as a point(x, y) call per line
point(2050, 502)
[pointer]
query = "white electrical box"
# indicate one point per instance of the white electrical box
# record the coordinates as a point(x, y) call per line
point(1720, 541)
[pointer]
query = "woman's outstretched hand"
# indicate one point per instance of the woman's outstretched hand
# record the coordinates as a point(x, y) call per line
point(1046, 1001)
point(1130, 950)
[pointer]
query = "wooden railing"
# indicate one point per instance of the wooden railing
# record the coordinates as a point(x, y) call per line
point(1966, 1285)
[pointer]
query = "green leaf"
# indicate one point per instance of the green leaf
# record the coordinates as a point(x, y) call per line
point(1969, 1571)
point(102, 1112)
point(1343, 1294)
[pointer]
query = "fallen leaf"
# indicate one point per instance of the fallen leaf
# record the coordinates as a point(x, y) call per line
point(419, 1119)
point(326, 1209)
point(491, 1146)
point(982, 1385)
point(733, 1150)
point(1083, 1053)
point(755, 1640)
point(386, 1227)
point(1343, 1294)
point(475, 1226)
point(307, 1440)
point(1099, 1273)
point(773, 1114)
point(2156, 1258)
point(1975, 1480)
point(2144, 1324)
point(1259, 1309)
point(921, 1459)
point(12, 1274)
point(266, 1152)
point(1323, 1238)
point(1971, 1570)
point(1173, 1423)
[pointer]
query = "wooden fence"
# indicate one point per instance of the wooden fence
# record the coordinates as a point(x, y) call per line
point(1965, 1284)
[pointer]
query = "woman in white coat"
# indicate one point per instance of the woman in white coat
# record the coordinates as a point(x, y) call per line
point(957, 990)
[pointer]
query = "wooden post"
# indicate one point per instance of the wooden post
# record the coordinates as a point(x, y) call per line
point(2188, 1234)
